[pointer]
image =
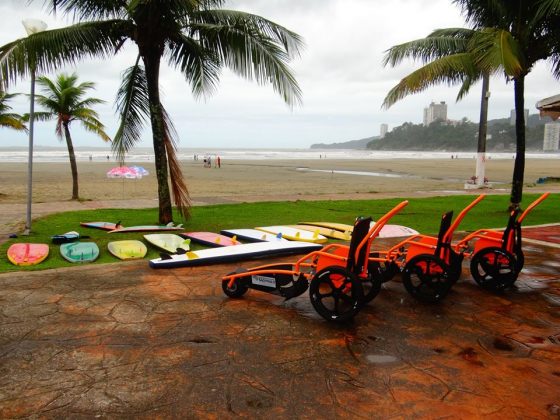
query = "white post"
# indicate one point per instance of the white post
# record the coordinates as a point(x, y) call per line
point(32, 26)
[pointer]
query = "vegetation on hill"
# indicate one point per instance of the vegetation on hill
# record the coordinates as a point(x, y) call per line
point(459, 137)
point(352, 144)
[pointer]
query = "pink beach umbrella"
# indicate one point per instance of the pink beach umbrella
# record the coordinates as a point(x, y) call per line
point(123, 172)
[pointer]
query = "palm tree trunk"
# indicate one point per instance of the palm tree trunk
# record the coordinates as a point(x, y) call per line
point(152, 65)
point(482, 129)
point(72, 157)
point(519, 166)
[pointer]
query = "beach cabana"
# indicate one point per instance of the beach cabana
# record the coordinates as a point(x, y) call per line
point(550, 107)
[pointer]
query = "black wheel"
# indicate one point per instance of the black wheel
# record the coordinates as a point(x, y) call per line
point(238, 288)
point(427, 278)
point(336, 294)
point(494, 268)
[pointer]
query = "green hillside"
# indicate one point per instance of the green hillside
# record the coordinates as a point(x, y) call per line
point(462, 136)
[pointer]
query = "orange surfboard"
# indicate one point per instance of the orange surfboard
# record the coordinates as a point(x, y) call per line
point(27, 254)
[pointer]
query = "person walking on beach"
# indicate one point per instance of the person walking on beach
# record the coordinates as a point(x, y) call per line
point(219, 162)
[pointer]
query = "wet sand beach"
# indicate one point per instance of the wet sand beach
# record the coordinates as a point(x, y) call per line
point(271, 180)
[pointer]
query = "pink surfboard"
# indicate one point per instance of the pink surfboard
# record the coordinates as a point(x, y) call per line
point(27, 254)
point(210, 239)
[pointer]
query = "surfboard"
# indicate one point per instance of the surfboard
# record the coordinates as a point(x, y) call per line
point(210, 239)
point(27, 254)
point(101, 225)
point(252, 235)
point(79, 252)
point(147, 228)
point(336, 226)
point(294, 234)
point(388, 231)
point(329, 233)
point(168, 242)
point(128, 249)
point(65, 237)
point(229, 254)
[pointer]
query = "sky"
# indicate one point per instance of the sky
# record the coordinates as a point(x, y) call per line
point(340, 72)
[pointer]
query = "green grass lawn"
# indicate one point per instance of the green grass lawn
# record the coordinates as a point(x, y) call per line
point(422, 214)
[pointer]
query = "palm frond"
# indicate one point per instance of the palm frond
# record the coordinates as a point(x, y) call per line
point(495, 50)
point(39, 116)
point(13, 121)
point(439, 43)
point(200, 66)
point(49, 50)
point(133, 106)
point(94, 126)
point(178, 187)
point(90, 9)
point(450, 69)
point(252, 47)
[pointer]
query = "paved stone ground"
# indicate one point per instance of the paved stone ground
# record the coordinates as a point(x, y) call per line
point(123, 340)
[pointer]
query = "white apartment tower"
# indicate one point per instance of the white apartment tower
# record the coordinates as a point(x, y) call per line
point(551, 141)
point(383, 129)
point(435, 112)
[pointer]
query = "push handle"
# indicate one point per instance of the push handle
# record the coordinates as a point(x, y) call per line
point(532, 206)
point(460, 217)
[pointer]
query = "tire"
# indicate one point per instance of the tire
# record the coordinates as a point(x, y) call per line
point(336, 294)
point(494, 268)
point(238, 289)
point(427, 278)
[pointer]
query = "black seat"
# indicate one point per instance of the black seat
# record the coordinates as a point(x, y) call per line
point(361, 229)
point(443, 228)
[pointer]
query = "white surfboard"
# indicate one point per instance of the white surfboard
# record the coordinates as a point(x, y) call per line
point(228, 254)
point(294, 234)
point(253, 235)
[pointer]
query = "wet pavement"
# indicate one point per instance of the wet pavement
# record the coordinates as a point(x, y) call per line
point(123, 340)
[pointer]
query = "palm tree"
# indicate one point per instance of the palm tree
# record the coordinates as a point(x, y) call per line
point(10, 119)
point(66, 101)
point(197, 37)
point(519, 33)
point(508, 36)
point(447, 58)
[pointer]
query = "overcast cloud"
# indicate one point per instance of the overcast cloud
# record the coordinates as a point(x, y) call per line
point(339, 71)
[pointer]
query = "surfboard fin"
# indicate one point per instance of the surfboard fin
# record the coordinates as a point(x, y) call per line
point(180, 251)
point(165, 256)
point(279, 236)
point(234, 240)
point(192, 255)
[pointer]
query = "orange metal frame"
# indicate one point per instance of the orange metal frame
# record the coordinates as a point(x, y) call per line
point(333, 254)
point(407, 249)
point(488, 237)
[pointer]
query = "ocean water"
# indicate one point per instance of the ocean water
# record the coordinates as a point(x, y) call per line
point(147, 154)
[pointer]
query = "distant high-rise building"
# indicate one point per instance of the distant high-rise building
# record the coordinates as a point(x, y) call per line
point(435, 112)
point(512, 116)
point(551, 141)
point(383, 129)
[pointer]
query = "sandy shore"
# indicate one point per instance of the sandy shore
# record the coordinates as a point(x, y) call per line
point(251, 180)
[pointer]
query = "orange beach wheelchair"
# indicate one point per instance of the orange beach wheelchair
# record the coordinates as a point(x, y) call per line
point(497, 257)
point(340, 278)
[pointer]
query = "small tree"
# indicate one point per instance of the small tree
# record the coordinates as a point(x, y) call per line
point(65, 100)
